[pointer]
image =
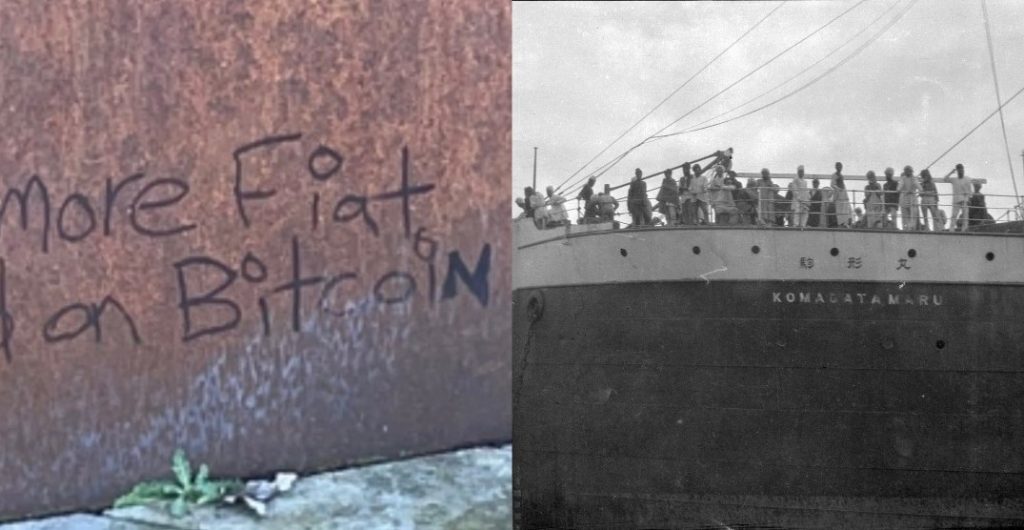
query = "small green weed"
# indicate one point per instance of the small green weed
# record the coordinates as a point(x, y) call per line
point(185, 491)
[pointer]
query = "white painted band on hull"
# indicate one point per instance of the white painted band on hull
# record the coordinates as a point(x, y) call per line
point(565, 257)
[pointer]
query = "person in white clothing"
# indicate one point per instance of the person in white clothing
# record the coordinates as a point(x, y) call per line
point(540, 210)
point(720, 194)
point(766, 190)
point(843, 208)
point(910, 211)
point(962, 191)
point(698, 189)
point(557, 216)
point(801, 198)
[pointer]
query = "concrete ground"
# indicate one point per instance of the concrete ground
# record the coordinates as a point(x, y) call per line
point(462, 490)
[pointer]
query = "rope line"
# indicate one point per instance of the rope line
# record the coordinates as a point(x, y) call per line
point(744, 77)
point(801, 72)
point(674, 92)
point(810, 83)
point(976, 127)
point(766, 63)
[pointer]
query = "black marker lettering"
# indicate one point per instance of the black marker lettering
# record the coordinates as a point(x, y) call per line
point(315, 211)
point(90, 216)
point(477, 281)
point(253, 270)
point(54, 321)
point(426, 249)
point(6, 319)
point(242, 195)
point(333, 165)
point(327, 293)
point(97, 316)
point(265, 316)
point(361, 210)
point(296, 285)
point(383, 297)
point(405, 193)
point(187, 303)
point(140, 204)
point(111, 197)
point(22, 198)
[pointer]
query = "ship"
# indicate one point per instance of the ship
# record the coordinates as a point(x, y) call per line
point(742, 376)
point(698, 376)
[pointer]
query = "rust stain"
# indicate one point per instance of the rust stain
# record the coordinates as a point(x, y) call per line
point(292, 305)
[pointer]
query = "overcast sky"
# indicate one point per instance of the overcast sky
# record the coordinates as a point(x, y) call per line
point(584, 72)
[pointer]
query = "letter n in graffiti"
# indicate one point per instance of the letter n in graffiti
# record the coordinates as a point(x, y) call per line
point(477, 281)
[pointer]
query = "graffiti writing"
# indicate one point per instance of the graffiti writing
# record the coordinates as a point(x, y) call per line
point(210, 290)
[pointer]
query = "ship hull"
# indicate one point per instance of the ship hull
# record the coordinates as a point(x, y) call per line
point(701, 403)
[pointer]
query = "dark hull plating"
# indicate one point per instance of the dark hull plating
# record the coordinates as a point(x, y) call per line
point(689, 404)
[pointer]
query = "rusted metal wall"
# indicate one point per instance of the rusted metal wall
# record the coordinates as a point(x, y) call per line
point(271, 233)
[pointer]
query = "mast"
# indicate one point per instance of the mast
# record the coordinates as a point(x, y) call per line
point(534, 169)
point(999, 98)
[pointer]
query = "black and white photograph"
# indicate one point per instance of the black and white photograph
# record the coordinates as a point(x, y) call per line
point(767, 262)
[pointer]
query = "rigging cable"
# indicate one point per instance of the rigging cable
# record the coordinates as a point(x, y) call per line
point(766, 63)
point(741, 79)
point(976, 127)
point(801, 72)
point(995, 79)
point(821, 76)
point(674, 92)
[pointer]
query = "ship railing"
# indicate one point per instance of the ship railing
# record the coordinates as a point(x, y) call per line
point(997, 213)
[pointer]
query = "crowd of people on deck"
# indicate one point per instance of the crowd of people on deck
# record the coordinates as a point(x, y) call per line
point(714, 195)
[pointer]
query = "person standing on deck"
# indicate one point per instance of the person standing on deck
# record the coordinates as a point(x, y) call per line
point(962, 191)
point(605, 205)
point(588, 191)
point(557, 215)
point(798, 187)
point(586, 195)
point(590, 210)
point(784, 208)
point(766, 198)
point(668, 199)
point(929, 201)
point(874, 203)
point(528, 204)
point(844, 211)
point(977, 211)
point(909, 211)
point(540, 210)
point(746, 202)
point(637, 200)
point(721, 198)
point(892, 198)
point(698, 188)
point(687, 206)
point(738, 196)
point(828, 207)
point(731, 180)
point(521, 202)
point(814, 212)
point(858, 219)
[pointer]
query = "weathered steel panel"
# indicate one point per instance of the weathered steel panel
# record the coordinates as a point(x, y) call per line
point(257, 231)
